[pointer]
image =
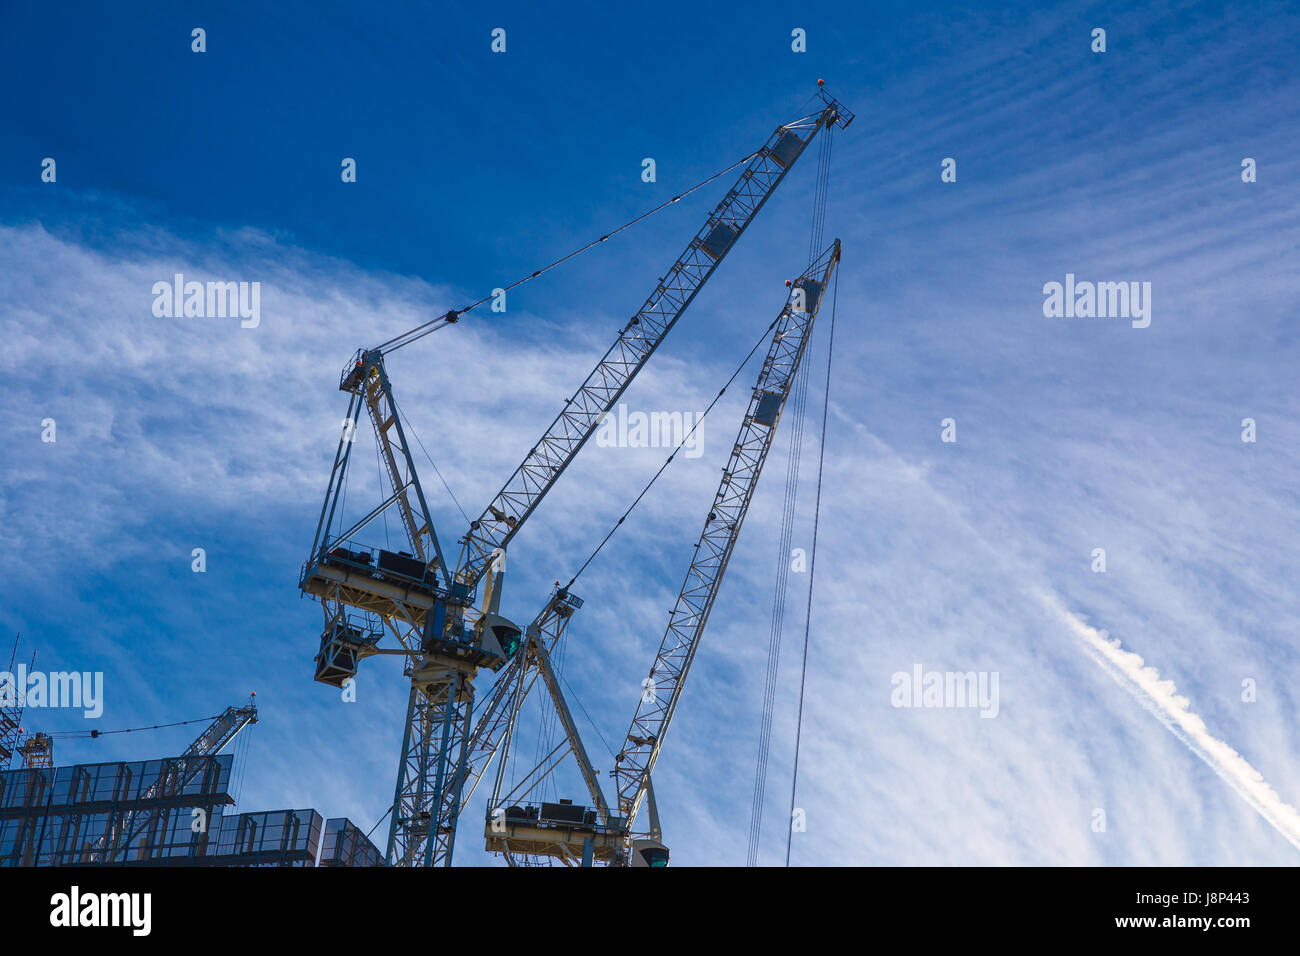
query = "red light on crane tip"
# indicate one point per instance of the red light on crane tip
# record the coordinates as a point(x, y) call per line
point(821, 82)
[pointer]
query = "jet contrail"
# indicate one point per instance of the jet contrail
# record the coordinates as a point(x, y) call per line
point(1158, 696)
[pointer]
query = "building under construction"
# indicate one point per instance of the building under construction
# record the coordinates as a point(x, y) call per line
point(165, 812)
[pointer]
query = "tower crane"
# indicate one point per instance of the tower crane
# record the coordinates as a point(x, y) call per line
point(600, 833)
point(443, 631)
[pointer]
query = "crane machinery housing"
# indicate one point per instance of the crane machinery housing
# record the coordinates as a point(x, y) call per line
point(447, 629)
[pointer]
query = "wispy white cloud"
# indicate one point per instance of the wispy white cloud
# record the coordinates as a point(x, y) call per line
point(1071, 437)
point(158, 417)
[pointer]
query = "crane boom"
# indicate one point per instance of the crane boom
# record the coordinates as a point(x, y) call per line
point(638, 339)
point(689, 616)
point(222, 731)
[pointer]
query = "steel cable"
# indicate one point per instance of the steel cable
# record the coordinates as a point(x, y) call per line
point(812, 567)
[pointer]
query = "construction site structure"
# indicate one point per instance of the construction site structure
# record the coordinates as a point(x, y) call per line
point(446, 631)
point(11, 712)
point(165, 812)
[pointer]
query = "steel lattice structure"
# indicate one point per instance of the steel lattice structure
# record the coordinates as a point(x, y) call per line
point(717, 540)
point(636, 343)
point(443, 631)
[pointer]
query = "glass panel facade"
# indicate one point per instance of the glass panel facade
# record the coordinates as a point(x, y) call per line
point(170, 812)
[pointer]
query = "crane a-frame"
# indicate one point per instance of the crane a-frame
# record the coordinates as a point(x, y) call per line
point(433, 611)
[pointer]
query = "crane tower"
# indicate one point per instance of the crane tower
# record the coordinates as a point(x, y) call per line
point(445, 621)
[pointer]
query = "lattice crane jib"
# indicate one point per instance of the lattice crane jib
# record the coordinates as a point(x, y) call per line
point(717, 540)
point(639, 338)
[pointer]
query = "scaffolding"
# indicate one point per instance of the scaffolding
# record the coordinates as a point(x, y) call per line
point(11, 712)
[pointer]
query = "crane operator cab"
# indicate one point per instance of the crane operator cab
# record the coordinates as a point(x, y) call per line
point(649, 853)
point(491, 642)
point(498, 636)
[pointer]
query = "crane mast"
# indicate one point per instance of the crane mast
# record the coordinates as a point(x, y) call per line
point(444, 633)
point(654, 713)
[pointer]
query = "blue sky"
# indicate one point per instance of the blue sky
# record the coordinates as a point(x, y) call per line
point(475, 168)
